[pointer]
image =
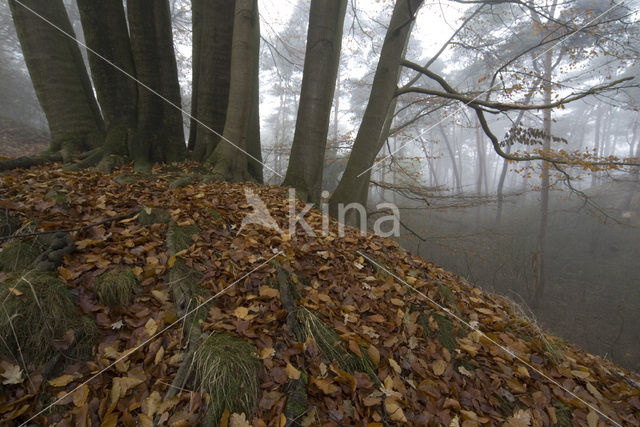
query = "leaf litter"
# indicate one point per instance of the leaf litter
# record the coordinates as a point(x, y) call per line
point(423, 366)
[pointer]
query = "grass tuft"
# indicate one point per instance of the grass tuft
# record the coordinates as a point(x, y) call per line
point(445, 331)
point(38, 309)
point(310, 325)
point(227, 368)
point(116, 287)
point(18, 255)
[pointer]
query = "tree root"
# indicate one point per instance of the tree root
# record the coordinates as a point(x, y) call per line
point(30, 161)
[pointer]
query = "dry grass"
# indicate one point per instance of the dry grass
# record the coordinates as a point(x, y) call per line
point(37, 309)
point(116, 287)
point(227, 368)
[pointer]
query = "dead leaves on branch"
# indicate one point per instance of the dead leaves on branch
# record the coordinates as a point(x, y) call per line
point(431, 368)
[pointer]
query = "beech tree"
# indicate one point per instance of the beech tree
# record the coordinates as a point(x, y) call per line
point(322, 59)
point(105, 31)
point(60, 80)
point(354, 185)
point(235, 158)
point(212, 37)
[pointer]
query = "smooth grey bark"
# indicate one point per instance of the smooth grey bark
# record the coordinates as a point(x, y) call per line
point(105, 30)
point(228, 161)
point(321, 62)
point(354, 185)
point(213, 34)
point(59, 77)
point(196, 32)
point(159, 135)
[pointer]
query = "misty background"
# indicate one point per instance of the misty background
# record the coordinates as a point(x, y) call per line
point(462, 206)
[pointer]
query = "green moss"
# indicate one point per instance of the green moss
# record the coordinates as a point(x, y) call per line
point(563, 414)
point(179, 238)
point(186, 290)
point(448, 296)
point(38, 310)
point(445, 329)
point(18, 255)
point(227, 369)
point(57, 195)
point(116, 287)
point(125, 179)
point(150, 215)
point(297, 399)
point(183, 181)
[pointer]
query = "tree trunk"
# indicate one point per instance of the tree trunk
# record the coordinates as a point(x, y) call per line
point(212, 73)
point(59, 76)
point(105, 31)
point(196, 33)
point(159, 136)
point(354, 185)
point(254, 147)
point(321, 62)
point(230, 162)
point(454, 166)
point(539, 255)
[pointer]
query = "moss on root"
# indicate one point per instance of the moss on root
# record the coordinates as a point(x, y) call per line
point(116, 287)
point(227, 369)
point(150, 215)
point(179, 237)
point(38, 310)
point(186, 291)
point(18, 255)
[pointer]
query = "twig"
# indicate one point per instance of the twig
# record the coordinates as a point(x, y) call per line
point(68, 230)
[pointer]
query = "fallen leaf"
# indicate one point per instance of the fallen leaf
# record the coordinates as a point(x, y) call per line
point(241, 312)
point(238, 420)
point(61, 381)
point(394, 411)
point(439, 366)
point(151, 327)
point(12, 375)
point(80, 395)
point(292, 372)
point(394, 365)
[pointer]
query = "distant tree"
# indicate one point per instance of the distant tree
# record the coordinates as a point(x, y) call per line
point(322, 59)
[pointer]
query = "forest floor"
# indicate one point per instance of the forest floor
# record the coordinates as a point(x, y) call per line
point(295, 330)
point(17, 140)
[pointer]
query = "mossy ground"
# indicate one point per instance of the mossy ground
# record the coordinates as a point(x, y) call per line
point(116, 287)
point(179, 237)
point(153, 215)
point(227, 369)
point(38, 309)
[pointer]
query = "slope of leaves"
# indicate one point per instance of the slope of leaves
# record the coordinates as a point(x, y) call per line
point(431, 368)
